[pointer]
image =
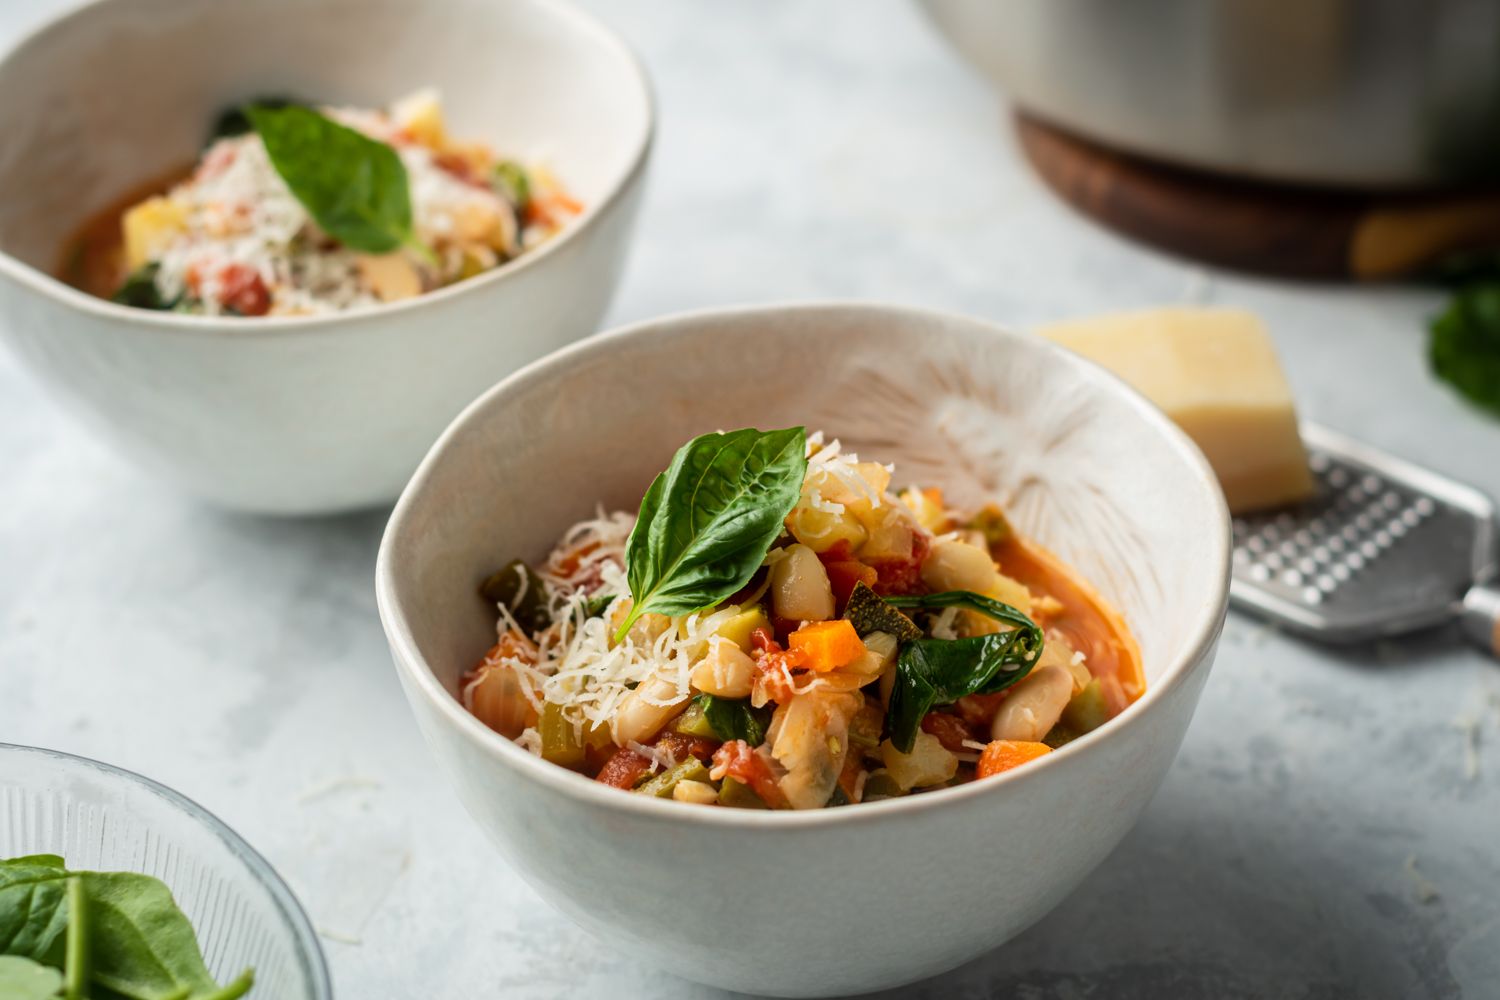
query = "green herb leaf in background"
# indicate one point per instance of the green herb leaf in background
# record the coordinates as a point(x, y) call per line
point(355, 187)
point(735, 719)
point(110, 934)
point(1464, 348)
point(708, 521)
point(931, 672)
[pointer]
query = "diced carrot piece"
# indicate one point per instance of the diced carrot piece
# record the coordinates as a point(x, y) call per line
point(826, 646)
point(1002, 755)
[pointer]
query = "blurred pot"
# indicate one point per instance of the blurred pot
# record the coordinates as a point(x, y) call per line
point(1348, 93)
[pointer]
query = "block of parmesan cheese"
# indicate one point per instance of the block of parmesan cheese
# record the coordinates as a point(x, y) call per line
point(1214, 371)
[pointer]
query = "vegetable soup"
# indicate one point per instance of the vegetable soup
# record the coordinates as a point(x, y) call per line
point(778, 629)
point(292, 210)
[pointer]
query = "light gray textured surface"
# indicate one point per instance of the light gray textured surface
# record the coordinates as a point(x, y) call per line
point(1329, 830)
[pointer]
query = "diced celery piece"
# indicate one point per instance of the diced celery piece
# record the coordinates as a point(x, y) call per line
point(560, 742)
point(662, 784)
point(738, 795)
point(694, 721)
point(1086, 711)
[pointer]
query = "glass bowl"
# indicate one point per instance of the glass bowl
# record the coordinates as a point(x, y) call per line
point(102, 818)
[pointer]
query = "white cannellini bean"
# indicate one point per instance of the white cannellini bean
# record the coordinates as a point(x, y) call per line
point(1034, 705)
point(799, 586)
point(699, 793)
point(726, 672)
point(637, 719)
point(955, 565)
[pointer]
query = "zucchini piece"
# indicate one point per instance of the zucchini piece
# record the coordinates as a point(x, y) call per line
point(880, 785)
point(1086, 711)
point(738, 795)
point(838, 798)
point(661, 785)
point(522, 592)
point(1060, 735)
point(560, 742)
point(868, 612)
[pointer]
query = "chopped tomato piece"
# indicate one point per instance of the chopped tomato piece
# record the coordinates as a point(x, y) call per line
point(978, 710)
point(241, 289)
point(683, 745)
point(623, 769)
point(844, 575)
point(897, 575)
point(1003, 755)
point(737, 760)
point(950, 731)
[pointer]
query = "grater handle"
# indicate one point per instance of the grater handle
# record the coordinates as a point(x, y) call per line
point(1481, 617)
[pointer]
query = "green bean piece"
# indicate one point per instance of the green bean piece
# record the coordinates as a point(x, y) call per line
point(662, 784)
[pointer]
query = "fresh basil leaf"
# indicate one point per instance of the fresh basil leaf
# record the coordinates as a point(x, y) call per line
point(355, 187)
point(708, 520)
point(931, 672)
point(24, 979)
point(1464, 347)
point(522, 592)
point(140, 291)
point(735, 719)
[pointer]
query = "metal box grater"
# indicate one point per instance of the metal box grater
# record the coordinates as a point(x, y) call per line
point(1385, 547)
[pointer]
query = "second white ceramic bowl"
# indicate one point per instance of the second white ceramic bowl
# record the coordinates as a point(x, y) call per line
point(292, 415)
point(838, 900)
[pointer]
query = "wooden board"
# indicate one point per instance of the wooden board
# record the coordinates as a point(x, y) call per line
point(1284, 231)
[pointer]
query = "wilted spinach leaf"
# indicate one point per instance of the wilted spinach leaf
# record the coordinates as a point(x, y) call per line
point(735, 719)
point(140, 291)
point(932, 672)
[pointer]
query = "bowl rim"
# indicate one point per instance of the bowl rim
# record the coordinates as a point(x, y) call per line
point(579, 21)
point(422, 681)
point(314, 962)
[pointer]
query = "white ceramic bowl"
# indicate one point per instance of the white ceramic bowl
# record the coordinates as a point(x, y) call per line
point(101, 818)
point(839, 900)
point(300, 415)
